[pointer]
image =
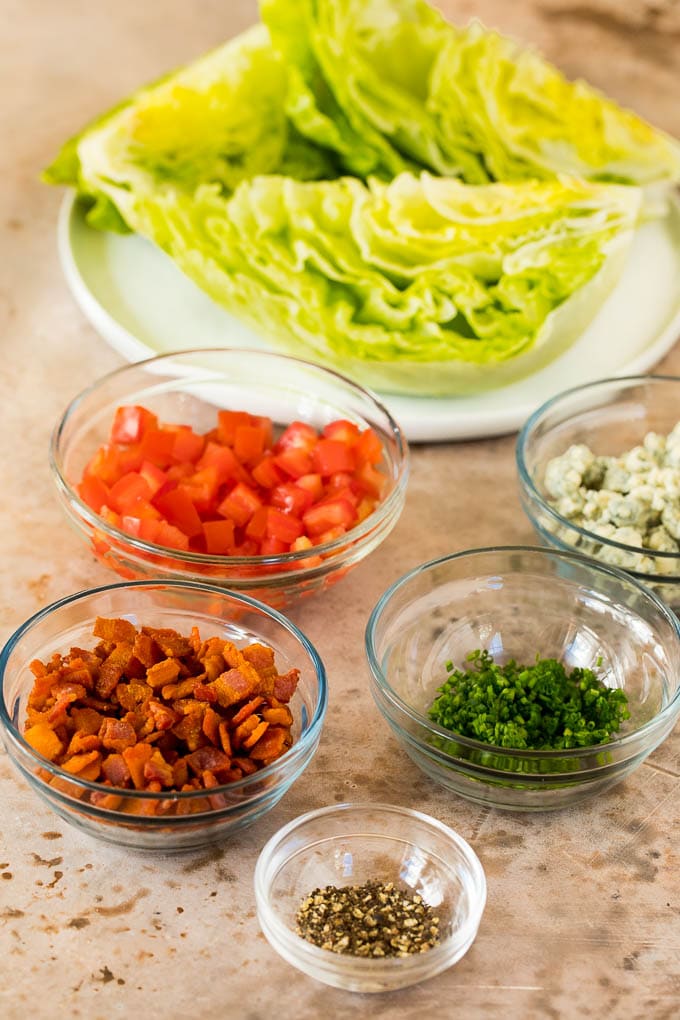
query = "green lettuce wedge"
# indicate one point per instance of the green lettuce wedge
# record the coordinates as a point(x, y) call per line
point(386, 83)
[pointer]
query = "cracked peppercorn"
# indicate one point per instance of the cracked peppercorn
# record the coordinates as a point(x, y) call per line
point(375, 919)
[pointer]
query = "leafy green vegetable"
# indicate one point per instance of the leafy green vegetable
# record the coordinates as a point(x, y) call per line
point(540, 707)
point(218, 121)
point(238, 166)
point(386, 82)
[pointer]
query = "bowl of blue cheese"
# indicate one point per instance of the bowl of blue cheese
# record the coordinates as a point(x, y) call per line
point(599, 473)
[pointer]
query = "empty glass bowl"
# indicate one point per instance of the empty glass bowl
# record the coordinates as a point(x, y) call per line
point(188, 387)
point(518, 603)
point(611, 417)
point(352, 844)
point(161, 821)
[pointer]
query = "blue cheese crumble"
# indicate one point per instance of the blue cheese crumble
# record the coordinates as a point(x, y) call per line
point(633, 499)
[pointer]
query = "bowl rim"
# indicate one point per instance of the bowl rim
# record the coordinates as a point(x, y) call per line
point(434, 958)
point(308, 738)
point(531, 754)
point(525, 436)
point(383, 510)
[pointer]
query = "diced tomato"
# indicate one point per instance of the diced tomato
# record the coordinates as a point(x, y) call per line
point(257, 525)
point(240, 504)
point(153, 476)
point(369, 448)
point(294, 461)
point(266, 473)
point(330, 456)
point(312, 483)
point(93, 492)
point(201, 488)
point(329, 536)
point(283, 526)
point(127, 489)
point(157, 446)
point(233, 491)
point(105, 465)
point(343, 431)
point(187, 445)
point(273, 546)
point(179, 511)
point(332, 512)
point(228, 422)
point(224, 461)
point(219, 537)
point(250, 442)
point(130, 423)
point(291, 498)
point(297, 436)
point(369, 480)
point(169, 535)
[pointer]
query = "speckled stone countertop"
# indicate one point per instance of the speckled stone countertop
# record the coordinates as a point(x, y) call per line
point(583, 915)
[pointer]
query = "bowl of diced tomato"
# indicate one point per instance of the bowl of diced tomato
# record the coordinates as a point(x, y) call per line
point(248, 469)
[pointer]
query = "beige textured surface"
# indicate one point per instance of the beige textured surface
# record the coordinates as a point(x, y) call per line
point(583, 916)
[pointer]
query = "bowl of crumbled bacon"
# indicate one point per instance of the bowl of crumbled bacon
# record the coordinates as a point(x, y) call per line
point(161, 715)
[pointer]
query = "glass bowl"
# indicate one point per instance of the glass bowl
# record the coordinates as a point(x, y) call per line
point(189, 387)
point(518, 603)
point(161, 821)
point(610, 416)
point(351, 844)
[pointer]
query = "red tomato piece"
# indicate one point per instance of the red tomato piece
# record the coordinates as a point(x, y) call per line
point(369, 448)
point(329, 536)
point(153, 476)
point(295, 461)
point(178, 510)
point(329, 514)
point(228, 422)
point(130, 423)
point(283, 526)
point(240, 504)
point(201, 488)
point(266, 473)
point(343, 431)
point(157, 446)
point(187, 445)
point(312, 483)
point(297, 436)
point(250, 442)
point(219, 537)
point(93, 492)
point(368, 479)
point(170, 536)
point(291, 498)
point(105, 465)
point(330, 456)
point(129, 487)
point(224, 462)
point(272, 546)
point(257, 525)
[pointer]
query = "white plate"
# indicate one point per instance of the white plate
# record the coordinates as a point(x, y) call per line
point(141, 304)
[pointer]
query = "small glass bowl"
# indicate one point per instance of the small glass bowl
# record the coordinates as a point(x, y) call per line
point(610, 416)
point(161, 821)
point(517, 603)
point(350, 844)
point(188, 387)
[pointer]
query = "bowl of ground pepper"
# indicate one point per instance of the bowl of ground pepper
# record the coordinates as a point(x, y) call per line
point(369, 897)
point(524, 678)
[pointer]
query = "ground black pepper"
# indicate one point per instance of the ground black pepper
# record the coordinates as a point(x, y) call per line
point(375, 919)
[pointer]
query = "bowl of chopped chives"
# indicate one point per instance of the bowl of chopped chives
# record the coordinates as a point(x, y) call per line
point(369, 897)
point(524, 678)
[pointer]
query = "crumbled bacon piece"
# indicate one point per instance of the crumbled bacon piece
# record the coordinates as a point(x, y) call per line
point(152, 710)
